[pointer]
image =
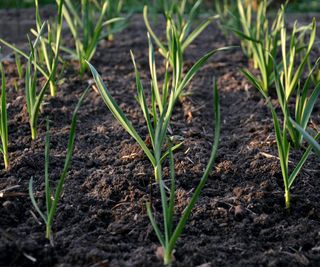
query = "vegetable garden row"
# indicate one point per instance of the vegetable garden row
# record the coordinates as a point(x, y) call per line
point(281, 66)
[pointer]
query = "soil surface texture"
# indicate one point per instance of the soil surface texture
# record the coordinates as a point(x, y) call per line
point(239, 220)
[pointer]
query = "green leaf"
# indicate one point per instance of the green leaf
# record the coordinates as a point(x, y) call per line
point(153, 73)
point(312, 141)
point(243, 35)
point(196, 32)
point(310, 105)
point(183, 220)
point(154, 225)
point(113, 20)
point(143, 101)
point(195, 68)
point(46, 170)
point(172, 193)
point(118, 113)
point(38, 101)
point(151, 32)
point(4, 119)
point(33, 201)
point(297, 169)
point(255, 82)
point(67, 162)
point(283, 148)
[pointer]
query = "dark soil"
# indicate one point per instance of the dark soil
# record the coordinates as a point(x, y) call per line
point(239, 220)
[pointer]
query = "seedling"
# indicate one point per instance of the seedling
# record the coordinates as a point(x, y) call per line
point(288, 84)
point(4, 120)
point(179, 26)
point(26, 55)
point(170, 235)
point(304, 107)
point(53, 197)
point(249, 27)
point(19, 65)
point(85, 29)
point(222, 7)
point(284, 153)
point(50, 47)
point(178, 39)
point(226, 9)
point(114, 11)
point(162, 105)
point(258, 41)
point(175, 7)
point(34, 99)
point(292, 73)
point(302, 47)
point(48, 50)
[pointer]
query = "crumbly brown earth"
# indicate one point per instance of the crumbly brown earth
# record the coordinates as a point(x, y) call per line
point(239, 219)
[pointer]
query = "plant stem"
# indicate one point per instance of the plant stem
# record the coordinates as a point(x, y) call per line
point(48, 231)
point(167, 258)
point(82, 67)
point(6, 159)
point(33, 133)
point(287, 199)
point(110, 37)
point(52, 89)
point(156, 174)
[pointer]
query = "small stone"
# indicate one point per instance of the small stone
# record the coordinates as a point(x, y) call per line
point(262, 219)
point(239, 212)
point(67, 207)
point(90, 163)
point(101, 129)
point(237, 191)
point(8, 204)
point(205, 265)
point(265, 185)
point(12, 180)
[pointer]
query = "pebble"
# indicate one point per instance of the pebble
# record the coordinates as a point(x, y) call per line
point(205, 265)
point(239, 212)
point(266, 185)
point(262, 219)
point(8, 204)
point(237, 191)
point(102, 129)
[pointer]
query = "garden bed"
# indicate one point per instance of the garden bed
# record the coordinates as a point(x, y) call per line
point(239, 220)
